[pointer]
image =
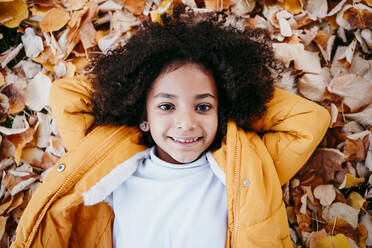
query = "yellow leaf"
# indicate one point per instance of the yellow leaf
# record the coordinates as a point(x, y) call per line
point(3, 220)
point(166, 7)
point(356, 200)
point(135, 6)
point(351, 181)
point(292, 6)
point(39, 11)
point(12, 13)
point(100, 34)
point(2, 80)
point(322, 240)
point(54, 20)
point(369, 3)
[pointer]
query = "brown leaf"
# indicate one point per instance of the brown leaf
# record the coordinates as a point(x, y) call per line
point(135, 6)
point(12, 13)
point(16, 98)
point(293, 6)
point(20, 140)
point(340, 226)
point(355, 90)
point(16, 181)
point(324, 163)
point(218, 4)
point(3, 220)
point(355, 149)
point(6, 204)
point(358, 18)
point(54, 20)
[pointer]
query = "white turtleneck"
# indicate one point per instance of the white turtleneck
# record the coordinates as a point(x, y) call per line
point(168, 205)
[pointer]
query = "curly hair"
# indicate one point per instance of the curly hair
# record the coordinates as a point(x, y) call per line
point(241, 63)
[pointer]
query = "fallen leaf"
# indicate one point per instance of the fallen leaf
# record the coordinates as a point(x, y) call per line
point(37, 93)
point(293, 6)
point(135, 6)
point(20, 140)
point(324, 162)
point(32, 43)
point(359, 16)
point(87, 35)
point(16, 98)
point(55, 19)
point(325, 193)
point(16, 182)
point(322, 240)
point(343, 211)
point(303, 60)
point(243, 7)
point(355, 149)
point(356, 200)
point(312, 86)
point(13, 12)
point(354, 90)
point(317, 9)
point(75, 4)
point(366, 221)
point(3, 220)
point(364, 117)
point(10, 54)
point(218, 4)
point(351, 181)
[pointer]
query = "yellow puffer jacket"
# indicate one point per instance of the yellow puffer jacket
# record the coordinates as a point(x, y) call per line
point(63, 213)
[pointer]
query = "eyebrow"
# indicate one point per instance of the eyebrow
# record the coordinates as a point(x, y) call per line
point(171, 96)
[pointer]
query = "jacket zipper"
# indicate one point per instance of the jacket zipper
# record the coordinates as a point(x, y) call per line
point(234, 231)
point(68, 179)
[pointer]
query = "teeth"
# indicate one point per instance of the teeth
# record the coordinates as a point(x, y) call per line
point(185, 140)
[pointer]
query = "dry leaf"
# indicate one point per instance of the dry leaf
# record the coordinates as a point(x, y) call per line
point(37, 93)
point(218, 4)
point(325, 193)
point(75, 4)
point(317, 9)
point(343, 211)
point(16, 98)
point(312, 86)
point(10, 54)
point(293, 6)
point(356, 200)
point(12, 13)
point(16, 181)
point(55, 19)
point(366, 220)
point(33, 44)
point(134, 6)
point(324, 162)
point(355, 149)
point(303, 60)
point(3, 220)
point(243, 7)
point(87, 35)
point(364, 117)
point(355, 90)
point(351, 181)
point(322, 240)
point(20, 140)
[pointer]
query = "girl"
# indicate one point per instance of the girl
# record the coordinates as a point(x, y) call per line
point(181, 140)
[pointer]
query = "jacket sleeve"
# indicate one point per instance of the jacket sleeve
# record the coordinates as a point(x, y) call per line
point(71, 107)
point(291, 129)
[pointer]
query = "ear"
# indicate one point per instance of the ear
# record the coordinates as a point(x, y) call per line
point(144, 126)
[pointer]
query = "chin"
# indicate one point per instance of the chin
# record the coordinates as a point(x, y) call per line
point(186, 159)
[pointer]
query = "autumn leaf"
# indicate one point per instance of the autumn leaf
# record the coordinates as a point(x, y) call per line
point(55, 19)
point(13, 12)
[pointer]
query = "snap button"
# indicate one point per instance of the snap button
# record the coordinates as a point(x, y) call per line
point(60, 167)
point(246, 183)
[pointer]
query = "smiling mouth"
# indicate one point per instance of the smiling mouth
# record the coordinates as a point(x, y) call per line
point(185, 140)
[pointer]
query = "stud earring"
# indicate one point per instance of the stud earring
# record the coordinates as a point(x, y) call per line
point(144, 126)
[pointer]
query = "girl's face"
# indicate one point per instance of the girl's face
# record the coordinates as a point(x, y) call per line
point(182, 113)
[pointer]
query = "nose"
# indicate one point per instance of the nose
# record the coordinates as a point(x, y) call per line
point(185, 120)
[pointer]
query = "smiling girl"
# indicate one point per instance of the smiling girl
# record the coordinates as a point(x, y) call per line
point(179, 139)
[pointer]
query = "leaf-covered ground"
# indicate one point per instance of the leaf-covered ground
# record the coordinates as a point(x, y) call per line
point(324, 45)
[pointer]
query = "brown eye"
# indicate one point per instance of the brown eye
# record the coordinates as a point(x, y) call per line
point(203, 107)
point(166, 107)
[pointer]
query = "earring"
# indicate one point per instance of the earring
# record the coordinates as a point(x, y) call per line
point(144, 126)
